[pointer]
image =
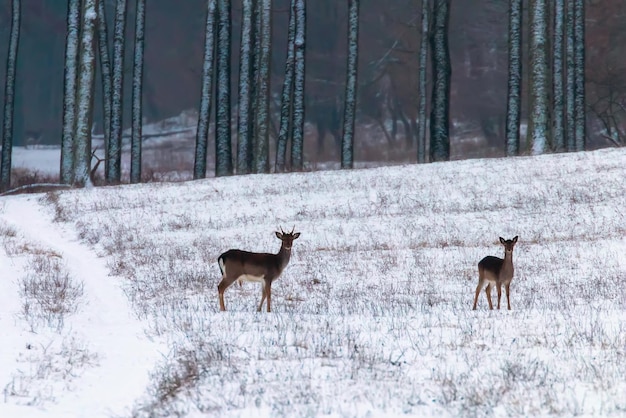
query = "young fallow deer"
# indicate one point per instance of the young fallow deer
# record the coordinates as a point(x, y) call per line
point(237, 265)
point(496, 272)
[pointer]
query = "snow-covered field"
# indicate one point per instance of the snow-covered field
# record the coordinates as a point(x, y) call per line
point(372, 317)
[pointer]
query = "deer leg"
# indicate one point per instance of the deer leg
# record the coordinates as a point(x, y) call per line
point(269, 296)
point(478, 289)
point(488, 292)
point(499, 286)
point(221, 288)
point(508, 300)
point(263, 294)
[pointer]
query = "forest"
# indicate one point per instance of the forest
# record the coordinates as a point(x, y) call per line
point(388, 63)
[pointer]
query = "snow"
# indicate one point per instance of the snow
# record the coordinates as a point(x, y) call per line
point(104, 324)
point(372, 316)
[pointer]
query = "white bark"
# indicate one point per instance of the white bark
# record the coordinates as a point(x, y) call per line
point(69, 91)
point(135, 147)
point(86, 76)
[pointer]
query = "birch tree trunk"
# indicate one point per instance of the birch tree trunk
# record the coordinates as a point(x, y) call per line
point(204, 116)
point(558, 134)
point(514, 95)
point(286, 103)
point(349, 115)
point(261, 152)
point(135, 142)
point(113, 170)
point(86, 78)
point(579, 76)
point(9, 96)
point(440, 112)
point(246, 74)
point(570, 80)
point(69, 92)
point(538, 123)
point(254, 88)
point(297, 138)
point(105, 71)
point(423, 60)
point(223, 147)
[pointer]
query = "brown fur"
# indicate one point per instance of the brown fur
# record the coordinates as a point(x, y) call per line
point(238, 265)
point(496, 272)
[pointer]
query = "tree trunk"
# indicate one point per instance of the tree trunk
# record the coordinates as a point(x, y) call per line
point(570, 85)
point(86, 78)
point(135, 143)
point(421, 133)
point(440, 112)
point(9, 96)
point(69, 92)
point(105, 71)
point(297, 138)
point(347, 142)
point(514, 95)
point(261, 152)
point(113, 170)
point(204, 117)
point(223, 147)
point(558, 135)
point(287, 94)
point(254, 88)
point(246, 80)
point(579, 75)
point(538, 123)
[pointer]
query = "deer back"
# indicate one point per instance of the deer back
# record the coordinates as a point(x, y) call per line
point(236, 263)
point(491, 264)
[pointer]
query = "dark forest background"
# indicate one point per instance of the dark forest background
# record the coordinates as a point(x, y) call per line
point(388, 61)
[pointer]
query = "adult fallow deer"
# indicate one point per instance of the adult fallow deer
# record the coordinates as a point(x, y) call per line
point(496, 272)
point(238, 265)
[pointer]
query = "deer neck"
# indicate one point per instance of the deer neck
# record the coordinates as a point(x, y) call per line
point(507, 265)
point(283, 256)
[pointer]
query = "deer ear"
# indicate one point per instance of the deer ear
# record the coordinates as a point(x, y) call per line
point(501, 240)
point(296, 235)
point(515, 239)
point(279, 235)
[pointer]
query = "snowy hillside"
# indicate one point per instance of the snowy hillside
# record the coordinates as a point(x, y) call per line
point(372, 317)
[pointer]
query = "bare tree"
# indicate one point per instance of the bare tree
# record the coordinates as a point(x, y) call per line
point(539, 109)
point(349, 115)
point(202, 132)
point(286, 103)
point(135, 145)
point(297, 138)
point(558, 127)
point(9, 96)
point(570, 85)
point(514, 95)
point(261, 151)
point(423, 60)
point(69, 91)
point(246, 74)
point(440, 112)
point(105, 71)
point(84, 117)
point(113, 153)
point(223, 147)
point(579, 75)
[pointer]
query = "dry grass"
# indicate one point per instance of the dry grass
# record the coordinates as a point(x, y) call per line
point(48, 292)
point(373, 313)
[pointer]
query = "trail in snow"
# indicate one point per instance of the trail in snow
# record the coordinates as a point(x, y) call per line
point(104, 323)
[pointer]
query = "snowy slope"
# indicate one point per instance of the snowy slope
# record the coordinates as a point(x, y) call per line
point(372, 317)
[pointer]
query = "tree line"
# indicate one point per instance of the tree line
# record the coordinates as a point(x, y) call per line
point(556, 117)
